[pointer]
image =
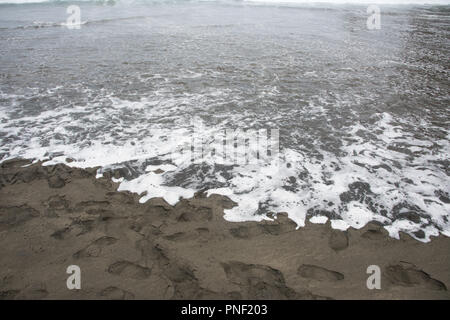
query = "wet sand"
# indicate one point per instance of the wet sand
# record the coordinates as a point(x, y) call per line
point(55, 216)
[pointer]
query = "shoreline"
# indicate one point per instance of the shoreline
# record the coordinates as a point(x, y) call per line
point(55, 216)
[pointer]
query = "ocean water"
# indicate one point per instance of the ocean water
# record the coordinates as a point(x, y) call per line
point(363, 115)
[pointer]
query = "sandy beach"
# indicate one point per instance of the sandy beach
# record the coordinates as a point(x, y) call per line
point(55, 216)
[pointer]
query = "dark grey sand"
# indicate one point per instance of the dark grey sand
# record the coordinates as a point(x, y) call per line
point(55, 216)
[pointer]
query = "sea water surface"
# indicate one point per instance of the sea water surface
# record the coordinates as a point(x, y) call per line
point(363, 115)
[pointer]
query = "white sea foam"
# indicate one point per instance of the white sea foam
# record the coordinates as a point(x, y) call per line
point(318, 219)
point(394, 176)
point(152, 185)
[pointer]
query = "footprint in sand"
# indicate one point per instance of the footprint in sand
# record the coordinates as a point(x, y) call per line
point(129, 269)
point(196, 214)
point(54, 204)
point(57, 202)
point(56, 182)
point(243, 232)
point(280, 226)
point(11, 217)
point(95, 248)
point(374, 232)
point(406, 274)
point(338, 240)
point(261, 282)
point(183, 236)
point(79, 226)
point(318, 273)
point(122, 197)
point(61, 233)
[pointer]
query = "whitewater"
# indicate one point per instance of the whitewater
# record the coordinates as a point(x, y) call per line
point(362, 114)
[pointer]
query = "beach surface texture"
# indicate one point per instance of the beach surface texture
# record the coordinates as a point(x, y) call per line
point(52, 217)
